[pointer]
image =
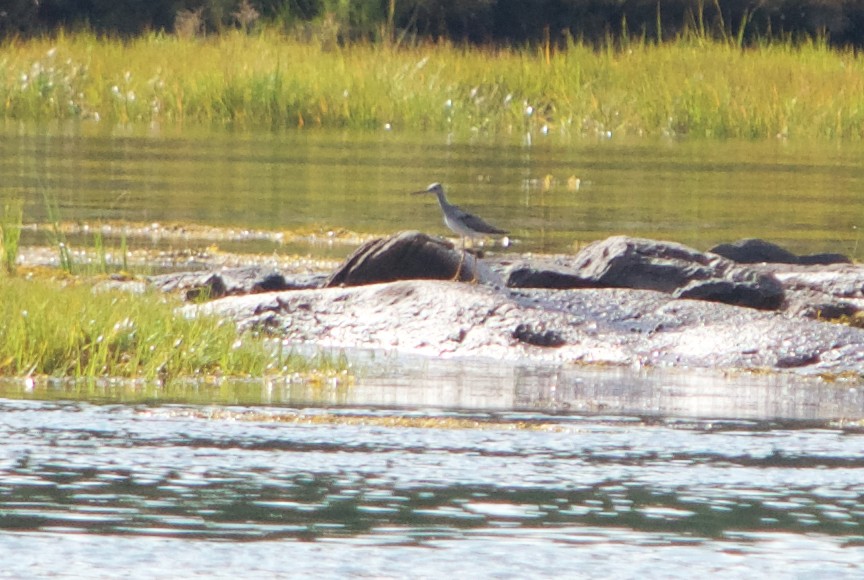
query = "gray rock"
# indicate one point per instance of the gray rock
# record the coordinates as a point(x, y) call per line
point(588, 326)
point(624, 262)
point(555, 274)
point(826, 292)
point(739, 286)
point(231, 281)
point(754, 251)
point(823, 259)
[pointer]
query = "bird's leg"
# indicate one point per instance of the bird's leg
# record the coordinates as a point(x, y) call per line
point(474, 269)
point(473, 255)
point(461, 261)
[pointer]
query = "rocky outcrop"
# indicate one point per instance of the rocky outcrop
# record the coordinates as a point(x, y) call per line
point(624, 262)
point(622, 301)
point(583, 326)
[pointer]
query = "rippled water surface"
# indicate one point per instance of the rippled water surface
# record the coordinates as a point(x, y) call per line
point(520, 485)
point(551, 195)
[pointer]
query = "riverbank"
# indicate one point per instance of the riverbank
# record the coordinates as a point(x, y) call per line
point(694, 87)
point(71, 328)
point(622, 302)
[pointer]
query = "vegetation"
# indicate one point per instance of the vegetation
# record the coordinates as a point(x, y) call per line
point(691, 86)
point(68, 329)
point(11, 219)
point(499, 22)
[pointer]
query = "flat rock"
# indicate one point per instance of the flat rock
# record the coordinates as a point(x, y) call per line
point(582, 326)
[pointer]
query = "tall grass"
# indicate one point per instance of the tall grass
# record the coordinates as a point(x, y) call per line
point(58, 237)
point(692, 85)
point(11, 221)
point(79, 333)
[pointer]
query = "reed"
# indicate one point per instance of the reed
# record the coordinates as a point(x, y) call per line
point(57, 235)
point(11, 221)
point(693, 85)
point(67, 329)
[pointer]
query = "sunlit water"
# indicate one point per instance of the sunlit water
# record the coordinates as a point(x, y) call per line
point(145, 489)
point(496, 471)
point(552, 196)
point(428, 469)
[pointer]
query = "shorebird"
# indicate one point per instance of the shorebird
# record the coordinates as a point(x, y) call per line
point(467, 225)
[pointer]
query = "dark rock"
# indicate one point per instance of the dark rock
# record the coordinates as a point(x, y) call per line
point(755, 251)
point(823, 259)
point(409, 255)
point(272, 282)
point(543, 274)
point(229, 282)
point(625, 262)
point(825, 310)
point(796, 360)
point(212, 287)
point(546, 338)
point(740, 286)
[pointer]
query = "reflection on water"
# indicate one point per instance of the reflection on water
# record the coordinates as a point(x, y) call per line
point(806, 196)
point(520, 495)
point(406, 381)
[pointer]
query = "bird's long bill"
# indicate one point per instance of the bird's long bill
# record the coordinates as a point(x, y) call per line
point(421, 192)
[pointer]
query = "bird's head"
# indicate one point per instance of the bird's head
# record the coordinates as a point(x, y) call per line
point(435, 188)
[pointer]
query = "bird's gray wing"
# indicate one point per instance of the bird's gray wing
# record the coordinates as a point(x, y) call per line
point(478, 224)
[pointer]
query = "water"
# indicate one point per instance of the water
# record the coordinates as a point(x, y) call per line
point(174, 490)
point(805, 196)
point(425, 468)
point(380, 380)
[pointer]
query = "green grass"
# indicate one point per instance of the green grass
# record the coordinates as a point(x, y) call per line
point(66, 329)
point(11, 220)
point(692, 86)
point(58, 237)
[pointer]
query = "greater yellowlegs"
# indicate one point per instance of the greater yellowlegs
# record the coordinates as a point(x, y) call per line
point(467, 225)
